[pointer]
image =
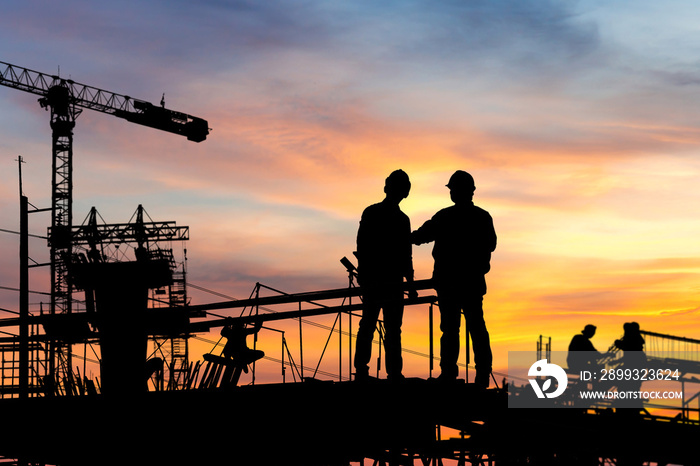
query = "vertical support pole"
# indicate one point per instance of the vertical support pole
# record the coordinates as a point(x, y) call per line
point(430, 339)
point(24, 299)
point(85, 379)
point(255, 335)
point(350, 343)
point(467, 348)
point(284, 371)
point(380, 328)
point(437, 460)
point(350, 329)
point(301, 346)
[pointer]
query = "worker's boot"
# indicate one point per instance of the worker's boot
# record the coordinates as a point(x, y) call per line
point(482, 379)
point(362, 374)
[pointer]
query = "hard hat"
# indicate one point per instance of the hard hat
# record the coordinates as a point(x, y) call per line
point(631, 327)
point(398, 179)
point(461, 179)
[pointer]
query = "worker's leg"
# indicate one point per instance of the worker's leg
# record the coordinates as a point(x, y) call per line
point(476, 325)
point(365, 335)
point(450, 320)
point(393, 318)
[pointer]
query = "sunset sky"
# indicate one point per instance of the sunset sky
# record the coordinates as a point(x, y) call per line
point(579, 120)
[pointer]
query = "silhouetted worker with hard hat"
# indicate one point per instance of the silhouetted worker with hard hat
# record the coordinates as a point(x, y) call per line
point(464, 239)
point(634, 359)
point(632, 340)
point(582, 354)
point(384, 254)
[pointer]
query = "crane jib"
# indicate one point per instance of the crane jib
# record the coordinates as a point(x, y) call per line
point(83, 96)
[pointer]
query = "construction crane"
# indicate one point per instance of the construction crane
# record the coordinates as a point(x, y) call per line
point(66, 99)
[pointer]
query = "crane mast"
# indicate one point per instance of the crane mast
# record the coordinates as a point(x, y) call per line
point(66, 99)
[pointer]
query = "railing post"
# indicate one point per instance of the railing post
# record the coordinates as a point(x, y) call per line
point(24, 299)
point(255, 335)
point(301, 346)
point(284, 371)
point(380, 328)
point(430, 340)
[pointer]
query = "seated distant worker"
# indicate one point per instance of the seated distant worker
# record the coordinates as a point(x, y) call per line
point(236, 347)
point(632, 341)
point(582, 354)
point(634, 359)
point(632, 346)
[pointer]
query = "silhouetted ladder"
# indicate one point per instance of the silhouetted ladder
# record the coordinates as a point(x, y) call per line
point(179, 363)
point(10, 368)
point(179, 349)
point(178, 289)
point(9, 381)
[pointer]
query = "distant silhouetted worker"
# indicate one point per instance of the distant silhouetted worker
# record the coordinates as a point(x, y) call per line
point(582, 354)
point(634, 358)
point(632, 339)
point(384, 259)
point(236, 347)
point(464, 239)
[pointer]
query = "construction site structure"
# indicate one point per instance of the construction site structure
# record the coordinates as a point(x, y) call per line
point(311, 417)
point(153, 405)
point(66, 99)
point(316, 419)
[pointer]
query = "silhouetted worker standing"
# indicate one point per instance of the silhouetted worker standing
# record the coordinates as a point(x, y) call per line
point(384, 259)
point(582, 354)
point(464, 239)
